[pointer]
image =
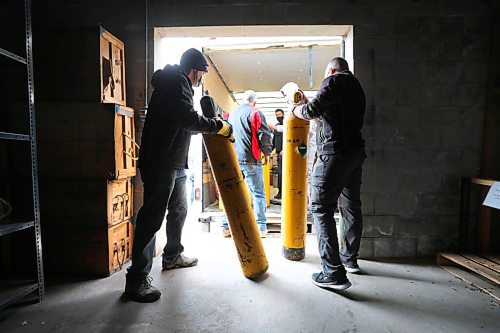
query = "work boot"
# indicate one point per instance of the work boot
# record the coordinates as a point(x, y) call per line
point(226, 233)
point(179, 261)
point(141, 291)
point(330, 282)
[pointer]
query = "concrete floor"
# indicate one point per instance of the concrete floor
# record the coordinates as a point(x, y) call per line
point(215, 297)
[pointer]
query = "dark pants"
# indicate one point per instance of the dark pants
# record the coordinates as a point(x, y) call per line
point(163, 189)
point(279, 171)
point(337, 175)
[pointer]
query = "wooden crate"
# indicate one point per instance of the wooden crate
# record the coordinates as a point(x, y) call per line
point(80, 64)
point(87, 251)
point(112, 65)
point(86, 140)
point(126, 148)
point(74, 203)
point(86, 202)
point(120, 239)
point(120, 206)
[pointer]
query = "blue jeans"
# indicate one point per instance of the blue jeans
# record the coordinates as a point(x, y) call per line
point(254, 176)
point(164, 189)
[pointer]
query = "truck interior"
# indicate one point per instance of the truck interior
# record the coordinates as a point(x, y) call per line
point(259, 58)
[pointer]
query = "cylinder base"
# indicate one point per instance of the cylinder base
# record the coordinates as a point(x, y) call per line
point(255, 275)
point(294, 254)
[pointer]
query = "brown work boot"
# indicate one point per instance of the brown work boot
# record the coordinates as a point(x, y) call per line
point(180, 261)
point(226, 233)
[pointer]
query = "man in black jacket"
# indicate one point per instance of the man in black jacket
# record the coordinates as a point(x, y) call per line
point(170, 121)
point(339, 108)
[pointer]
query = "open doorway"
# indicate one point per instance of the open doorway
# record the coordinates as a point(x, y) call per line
point(260, 58)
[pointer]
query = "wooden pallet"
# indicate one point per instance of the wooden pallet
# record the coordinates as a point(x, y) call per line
point(487, 266)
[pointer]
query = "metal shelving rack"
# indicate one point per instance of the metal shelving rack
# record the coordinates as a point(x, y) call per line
point(12, 291)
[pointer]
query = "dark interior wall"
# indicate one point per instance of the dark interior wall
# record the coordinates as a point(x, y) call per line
point(423, 64)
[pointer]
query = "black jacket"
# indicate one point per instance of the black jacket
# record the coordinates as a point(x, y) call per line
point(278, 139)
point(340, 107)
point(170, 121)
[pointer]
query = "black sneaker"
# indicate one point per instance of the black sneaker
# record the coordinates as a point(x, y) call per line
point(323, 281)
point(352, 268)
point(275, 201)
point(142, 291)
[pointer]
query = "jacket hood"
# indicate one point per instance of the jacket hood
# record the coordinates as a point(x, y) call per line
point(163, 76)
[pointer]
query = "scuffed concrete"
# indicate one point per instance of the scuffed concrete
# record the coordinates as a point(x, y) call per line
point(215, 297)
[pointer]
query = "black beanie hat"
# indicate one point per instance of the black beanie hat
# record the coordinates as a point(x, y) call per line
point(194, 59)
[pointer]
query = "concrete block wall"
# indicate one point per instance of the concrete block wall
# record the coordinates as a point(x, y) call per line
point(426, 72)
point(424, 67)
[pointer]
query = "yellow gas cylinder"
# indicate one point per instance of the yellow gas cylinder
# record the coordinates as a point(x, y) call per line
point(235, 197)
point(294, 197)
